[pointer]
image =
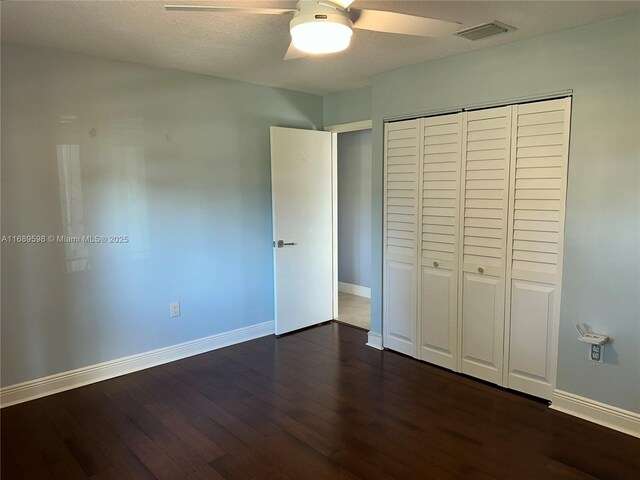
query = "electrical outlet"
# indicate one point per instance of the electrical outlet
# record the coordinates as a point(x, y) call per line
point(174, 309)
point(596, 353)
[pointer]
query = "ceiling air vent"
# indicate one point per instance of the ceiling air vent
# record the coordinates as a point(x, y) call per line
point(485, 30)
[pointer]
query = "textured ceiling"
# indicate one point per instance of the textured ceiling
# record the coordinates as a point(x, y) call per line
point(251, 47)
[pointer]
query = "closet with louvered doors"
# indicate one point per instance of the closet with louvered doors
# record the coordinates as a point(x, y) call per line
point(474, 220)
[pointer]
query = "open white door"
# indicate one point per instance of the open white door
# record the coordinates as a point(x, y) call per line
point(302, 169)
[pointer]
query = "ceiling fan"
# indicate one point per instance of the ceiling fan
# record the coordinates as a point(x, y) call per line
point(326, 26)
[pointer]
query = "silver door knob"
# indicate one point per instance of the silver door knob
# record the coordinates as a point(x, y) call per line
point(436, 264)
point(480, 270)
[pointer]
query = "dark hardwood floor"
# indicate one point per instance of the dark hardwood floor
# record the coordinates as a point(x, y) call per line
point(317, 404)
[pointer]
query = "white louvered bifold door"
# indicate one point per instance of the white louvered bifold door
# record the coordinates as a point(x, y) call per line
point(440, 201)
point(402, 151)
point(484, 206)
point(539, 162)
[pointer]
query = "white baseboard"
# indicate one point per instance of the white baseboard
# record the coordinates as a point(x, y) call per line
point(596, 412)
point(60, 382)
point(354, 289)
point(374, 340)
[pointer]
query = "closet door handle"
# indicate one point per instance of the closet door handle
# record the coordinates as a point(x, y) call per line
point(480, 270)
point(436, 264)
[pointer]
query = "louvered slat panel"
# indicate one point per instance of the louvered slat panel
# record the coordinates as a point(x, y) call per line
point(401, 133)
point(440, 219)
point(483, 223)
point(495, 154)
point(440, 202)
point(400, 143)
point(441, 158)
point(402, 187)
point(400, 160)
point(535, 236)
point(401, 151)
point(441, 183)
point(490, 194)
point(536, 215)
point(405, 202)
point(484, 165)
point(487, 151)
point(440, 167)
point(431, 220)
point(401, 234)
point(494, 233)
point(539, 175)
point(401, 168)
point(536, 162)
point(541, 129)
point(400, 177)
point(440, 139)
point(528, 194)
point(486, 181)
point(400, 277)
point(489, 134)
point(483, 203)
point(540, 171)
point(483, 241)
point(439, 229)
point(439, 194)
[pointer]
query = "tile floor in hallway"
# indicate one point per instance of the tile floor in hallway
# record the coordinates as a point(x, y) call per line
point(354, 310)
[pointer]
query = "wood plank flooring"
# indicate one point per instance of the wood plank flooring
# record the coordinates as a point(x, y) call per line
point(316, 404)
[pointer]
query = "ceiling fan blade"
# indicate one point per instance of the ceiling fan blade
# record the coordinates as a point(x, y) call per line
point(343, 3)
point(391, 22)
point(213, 8)
point(293, 53)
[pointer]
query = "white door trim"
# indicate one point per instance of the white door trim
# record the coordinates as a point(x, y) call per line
point(349, 127)
point(335, 129)
point(334, 219)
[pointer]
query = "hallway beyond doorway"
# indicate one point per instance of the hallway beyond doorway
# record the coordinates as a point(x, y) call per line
point(354, 310)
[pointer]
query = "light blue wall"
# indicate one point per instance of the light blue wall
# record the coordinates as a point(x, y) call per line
point(354, 207)
point(601, 283)
point(179, 162)
point(348, 106)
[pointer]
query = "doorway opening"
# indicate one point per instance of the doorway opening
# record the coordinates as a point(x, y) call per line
point(354, 226)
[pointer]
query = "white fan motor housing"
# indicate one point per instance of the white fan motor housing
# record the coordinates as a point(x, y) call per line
point(312, 12)
point(319, 29)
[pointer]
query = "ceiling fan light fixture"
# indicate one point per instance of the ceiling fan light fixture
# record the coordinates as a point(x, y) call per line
point(318, 34)
point(321, 37)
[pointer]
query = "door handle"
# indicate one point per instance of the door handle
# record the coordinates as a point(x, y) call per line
point(281, 243)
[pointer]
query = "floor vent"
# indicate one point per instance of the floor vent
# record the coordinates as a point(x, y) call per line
point(485, 30)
